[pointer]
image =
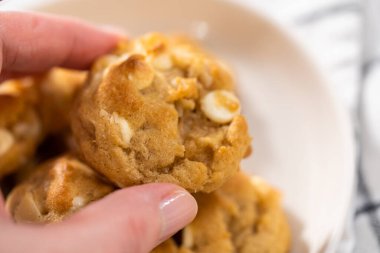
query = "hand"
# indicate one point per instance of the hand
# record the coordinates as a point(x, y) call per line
point(133, 220)
point(33, 43)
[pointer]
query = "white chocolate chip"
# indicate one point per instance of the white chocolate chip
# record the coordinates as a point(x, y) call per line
point(162, 62)
point(78, 202)
point(6, 140)
point(125, 130)
point(220, 106)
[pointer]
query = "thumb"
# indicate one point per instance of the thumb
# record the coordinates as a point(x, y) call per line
point(130, 220)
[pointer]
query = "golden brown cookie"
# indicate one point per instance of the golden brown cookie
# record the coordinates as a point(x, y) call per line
point(57, 89)
point(20, 124)
point(56, 189)
point(244, 216)
point(32, 108)
point(161, 110)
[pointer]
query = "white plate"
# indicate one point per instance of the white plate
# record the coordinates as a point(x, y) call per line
point(302, 138)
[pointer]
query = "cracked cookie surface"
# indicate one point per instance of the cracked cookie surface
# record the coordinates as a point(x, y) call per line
point(161, 110)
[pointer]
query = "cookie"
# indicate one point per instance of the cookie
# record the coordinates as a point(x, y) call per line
point(161, 110)
point(57, 90)
point(55, 190)
point(32, 108)
point(20, 124)
point(244, 216)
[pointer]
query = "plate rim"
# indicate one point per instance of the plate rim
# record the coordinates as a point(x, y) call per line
point(291, 37)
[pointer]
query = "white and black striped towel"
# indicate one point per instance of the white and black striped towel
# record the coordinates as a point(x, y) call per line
point(343, 36)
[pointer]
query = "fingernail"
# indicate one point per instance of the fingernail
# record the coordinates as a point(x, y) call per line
point(120, 31)
point(177, 210)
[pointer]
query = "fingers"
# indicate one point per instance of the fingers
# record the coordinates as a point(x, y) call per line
point(2, 207)
point(35, 42)
point(12, 75)
point(131, 220)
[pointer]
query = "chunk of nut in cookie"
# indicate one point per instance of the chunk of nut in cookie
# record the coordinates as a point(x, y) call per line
point(220, 106)
point(6, 140)
point(183, 88)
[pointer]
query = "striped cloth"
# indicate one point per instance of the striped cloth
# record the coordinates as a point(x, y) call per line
point(367, 212)
point(343, 36)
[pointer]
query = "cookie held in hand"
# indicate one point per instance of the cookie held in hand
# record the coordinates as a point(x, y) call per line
point(161, 110)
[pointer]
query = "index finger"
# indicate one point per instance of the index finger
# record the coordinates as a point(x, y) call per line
point(33, 42)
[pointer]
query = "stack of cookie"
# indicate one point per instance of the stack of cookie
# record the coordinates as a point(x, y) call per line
point(158, 109)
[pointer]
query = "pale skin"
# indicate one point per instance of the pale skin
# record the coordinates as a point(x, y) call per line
point(131, 220)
